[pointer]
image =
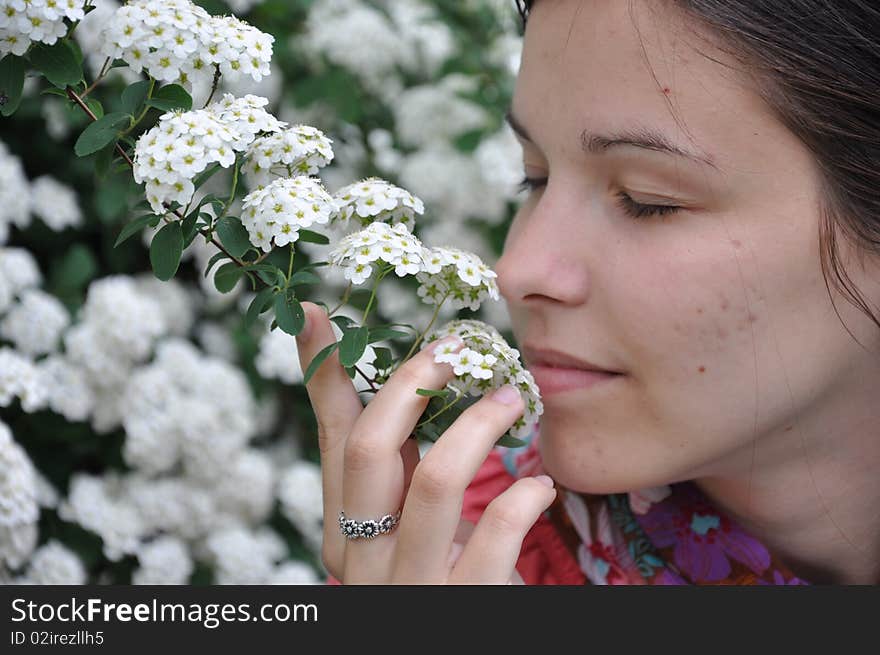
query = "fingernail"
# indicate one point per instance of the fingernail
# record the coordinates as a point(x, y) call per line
point(546, 480)
point(507, 394)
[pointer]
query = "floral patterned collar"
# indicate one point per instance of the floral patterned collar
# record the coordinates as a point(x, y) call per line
point(664, 535)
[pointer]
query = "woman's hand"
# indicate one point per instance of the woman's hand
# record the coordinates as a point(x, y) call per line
point(371, 468)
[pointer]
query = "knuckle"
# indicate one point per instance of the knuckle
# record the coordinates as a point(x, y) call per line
point(361, 453)
point(433, 482)
point(505, 517)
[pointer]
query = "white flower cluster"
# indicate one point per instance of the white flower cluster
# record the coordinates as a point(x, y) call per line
point(34, 324)
point(55, 203)
point(168, 156)
point(274, 214)
point(460, 276)
point(188, 407)
point(242, 556)
point(23, 22)
point(393, 245)
point(18, 501)
point(301, 496)
point(178, 41)
point(374, 200)
point(20, 378)
point(15, 195)
point(297, 150)
point(487, 362)
point(53, 563)
point(165, 560)
point(101, 506)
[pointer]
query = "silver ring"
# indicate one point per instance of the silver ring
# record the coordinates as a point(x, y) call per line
point(368, 529)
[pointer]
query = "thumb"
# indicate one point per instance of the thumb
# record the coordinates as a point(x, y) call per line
point(334, 399)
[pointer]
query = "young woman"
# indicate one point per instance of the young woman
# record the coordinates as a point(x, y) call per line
point(703, 229)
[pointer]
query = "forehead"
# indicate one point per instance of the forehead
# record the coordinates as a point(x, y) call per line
point(615, 64)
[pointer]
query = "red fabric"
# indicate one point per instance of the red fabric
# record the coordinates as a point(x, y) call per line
point(544, 559)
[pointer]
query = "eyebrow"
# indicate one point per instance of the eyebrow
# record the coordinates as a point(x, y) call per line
point(641, 137)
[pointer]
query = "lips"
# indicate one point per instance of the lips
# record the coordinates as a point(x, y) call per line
point(556, 372)
point(549, 358)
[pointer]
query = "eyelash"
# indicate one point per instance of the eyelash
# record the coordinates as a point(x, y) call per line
point(629, 206)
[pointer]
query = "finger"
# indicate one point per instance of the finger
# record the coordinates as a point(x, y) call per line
point(462, 534)
point(432, 509)
point(337, 407)
point(492, 551)
point(373, 471)
point(409, 453)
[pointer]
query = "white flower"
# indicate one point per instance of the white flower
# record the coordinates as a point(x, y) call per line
point(247, 489)
point(300, 493)
point(69, 392)
point(487, 362)
point(42, 21)
point(55, 564)
point(20, 378)
point(15, 195)
point(18, 501)
point(100, 505)
point(460, 276)
point(373, 200)
point(436, 112)
point(55, 203)
point(278, 357)
point(178, 41)
point(165, 560)
point(378, 242)
point(293, 573)
point(183, 144)
point(35, 323)
point(243, 557)
point(19, 270)
point(298, 150)
point(275, 214)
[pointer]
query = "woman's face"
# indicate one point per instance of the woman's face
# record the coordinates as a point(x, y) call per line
point(714, 304)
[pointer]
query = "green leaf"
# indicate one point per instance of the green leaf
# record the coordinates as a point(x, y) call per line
point(304, 277)
point(111, 198)
point(258, 305)
point(189, 227)
point(75, 269)
point(11, 83)
point(172, 96)
point(165, 250)
point(312, 237)
point(510, 442)
point(136, 226)
point(95, 105)
point(133, 97)
point(318, 360)
point(227, 276)
point(289, 314)
point(101, 133)
point(205, 175)
point(351, 371)
point(343, 322)
point(58, 63)
point(118, 63)
point(382, 333)
point(103, 161)
point(233, 236)
point(353, 345)
point(384, 358)
point(442, 393)
point(214, 259)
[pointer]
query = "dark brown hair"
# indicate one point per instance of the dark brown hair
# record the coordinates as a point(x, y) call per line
point(818, 64)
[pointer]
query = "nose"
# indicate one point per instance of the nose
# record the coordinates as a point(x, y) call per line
point(545, 257)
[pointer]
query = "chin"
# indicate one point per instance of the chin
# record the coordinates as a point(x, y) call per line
point(582, 463)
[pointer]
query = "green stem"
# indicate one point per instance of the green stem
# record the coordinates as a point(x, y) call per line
point(343, 301)
point(290, 267)
point(373, 294)
point(214, 84)
point(447, 405)
point(422, 335)
point(144, 112)
point(104, 70)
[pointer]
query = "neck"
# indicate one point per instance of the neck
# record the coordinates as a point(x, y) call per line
point(809, 493)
